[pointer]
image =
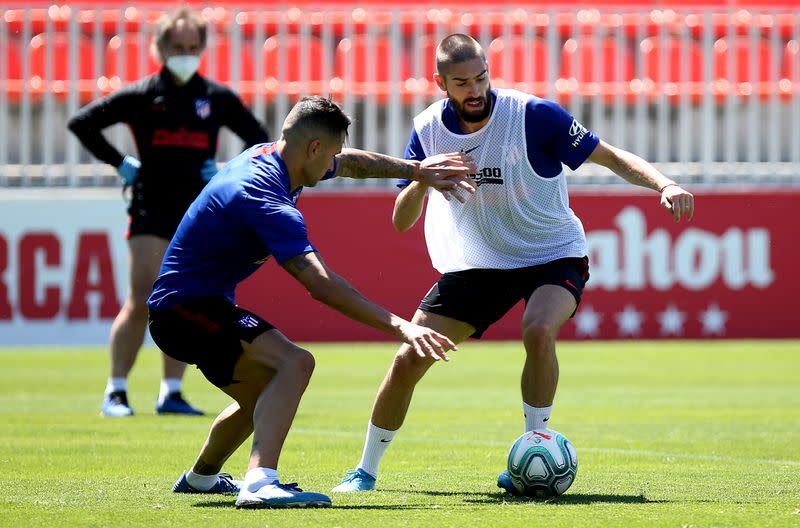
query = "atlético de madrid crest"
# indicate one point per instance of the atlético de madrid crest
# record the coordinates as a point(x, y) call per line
point(203, 108)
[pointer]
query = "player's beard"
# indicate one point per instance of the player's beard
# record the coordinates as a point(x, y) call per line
point(474, 116)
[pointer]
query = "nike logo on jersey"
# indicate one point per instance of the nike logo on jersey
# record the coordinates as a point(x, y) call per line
point(470, 150)
point(385, 441)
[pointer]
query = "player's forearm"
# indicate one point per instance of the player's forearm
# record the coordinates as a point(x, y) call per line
point(637, 171)
point(93, 140)
point(342, 297)
point(360, 164)
point(408, 206)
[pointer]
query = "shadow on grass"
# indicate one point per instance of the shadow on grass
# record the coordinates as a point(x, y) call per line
point(474, 498)
point(569, 498)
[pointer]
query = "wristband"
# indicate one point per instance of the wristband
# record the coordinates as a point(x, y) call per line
point(661, 190)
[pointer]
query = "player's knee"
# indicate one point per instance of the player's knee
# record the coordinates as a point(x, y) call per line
point(301, 362)
point(409, 365)
point(535, 334)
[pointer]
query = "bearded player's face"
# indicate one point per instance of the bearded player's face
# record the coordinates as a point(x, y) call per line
point(467, 85)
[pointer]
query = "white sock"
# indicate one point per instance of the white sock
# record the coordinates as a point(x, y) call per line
point(168, 386)
point(201, 482)
point(117, 385)
point(377, 442)
point(536, 418)
point(258, 477)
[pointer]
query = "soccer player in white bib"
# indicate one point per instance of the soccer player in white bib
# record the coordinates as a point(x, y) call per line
point(515, 239)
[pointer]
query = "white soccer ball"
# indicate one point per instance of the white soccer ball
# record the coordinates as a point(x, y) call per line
point(542, 463)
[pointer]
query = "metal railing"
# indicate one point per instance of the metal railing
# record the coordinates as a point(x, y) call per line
point(712, 96)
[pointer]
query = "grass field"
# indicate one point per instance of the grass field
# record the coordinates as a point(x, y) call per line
point(668, 434)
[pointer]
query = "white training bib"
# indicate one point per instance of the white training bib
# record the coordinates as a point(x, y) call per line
point(516, 218)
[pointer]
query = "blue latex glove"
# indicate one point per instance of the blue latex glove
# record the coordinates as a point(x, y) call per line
point(129, 169)
point(208, 170)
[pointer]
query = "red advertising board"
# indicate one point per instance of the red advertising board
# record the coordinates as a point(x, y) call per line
point(728, 273)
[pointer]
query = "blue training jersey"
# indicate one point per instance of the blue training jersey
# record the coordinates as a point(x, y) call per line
point(245, 214)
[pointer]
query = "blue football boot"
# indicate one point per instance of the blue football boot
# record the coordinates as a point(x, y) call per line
point(504, 482)
point(225, 484)
point(277, 495)
point(356, 480)
point(115, 404)
point(175, 404)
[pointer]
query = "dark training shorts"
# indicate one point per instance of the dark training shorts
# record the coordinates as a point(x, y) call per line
point(161, 224)
point(206, 332)
point(480, 297)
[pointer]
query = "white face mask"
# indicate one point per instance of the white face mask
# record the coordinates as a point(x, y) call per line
point(183, 66)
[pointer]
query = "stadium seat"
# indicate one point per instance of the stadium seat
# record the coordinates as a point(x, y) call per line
point(679, 55)
point(586, 52)
point(13, 82)
point(583, 53)
point(739, 79)
point(791, 61)
point(292, 48)
point(511, 59)
point(13, 59)
point(131, 48)
point(58, 45)
point(369, 74)
point(220, 50)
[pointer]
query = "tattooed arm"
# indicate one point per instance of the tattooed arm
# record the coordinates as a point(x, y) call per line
point(444, 172)
point(329, 288)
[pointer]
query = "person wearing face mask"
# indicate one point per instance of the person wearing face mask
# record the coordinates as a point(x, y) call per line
point(175, 116)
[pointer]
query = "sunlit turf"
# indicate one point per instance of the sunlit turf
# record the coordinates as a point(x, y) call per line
point(673, 433)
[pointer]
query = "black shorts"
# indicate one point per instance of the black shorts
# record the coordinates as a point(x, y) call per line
point(162, 224)
point(206, 332)
point(481, 297)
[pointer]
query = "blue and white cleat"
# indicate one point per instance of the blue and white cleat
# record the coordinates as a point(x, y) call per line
point(504, 482)
point(225, 484)
point(115, 404)
point(175, 404)
point(277, 495)
point(356, 480)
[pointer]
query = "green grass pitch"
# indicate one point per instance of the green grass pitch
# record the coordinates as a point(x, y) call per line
point(673, 434)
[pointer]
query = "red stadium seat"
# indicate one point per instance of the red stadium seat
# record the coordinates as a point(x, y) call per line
point(677, 56)
point(131, 47)
point(585, 49)
point(13, 82)
point(739, 78)
point(584, 53)
point(291, 47)
point(13, 60)
point(791, 61)
point(669, 79)
point(369, 75)
point(58, 45)
point(221, 51)
point(511, 59)
point(741, 62)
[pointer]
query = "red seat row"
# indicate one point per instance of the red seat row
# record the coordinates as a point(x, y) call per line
point(412, 20)
point(369, 61)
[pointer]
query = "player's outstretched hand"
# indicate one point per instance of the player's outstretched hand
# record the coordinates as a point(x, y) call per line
point(449, 174)
point(678, 202)
point(427, 342)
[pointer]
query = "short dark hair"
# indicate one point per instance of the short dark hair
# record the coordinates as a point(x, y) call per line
point(457, 48)
point(316, 112)
point(167, 23)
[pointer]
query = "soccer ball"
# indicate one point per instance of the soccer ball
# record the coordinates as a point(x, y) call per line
point(542, 463)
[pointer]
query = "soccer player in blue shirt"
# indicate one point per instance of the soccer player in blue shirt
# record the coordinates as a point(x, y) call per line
point(246, 214)
point(514, 239)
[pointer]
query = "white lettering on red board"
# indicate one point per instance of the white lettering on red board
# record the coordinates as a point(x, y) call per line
point(39, 254)
point(630, 258)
